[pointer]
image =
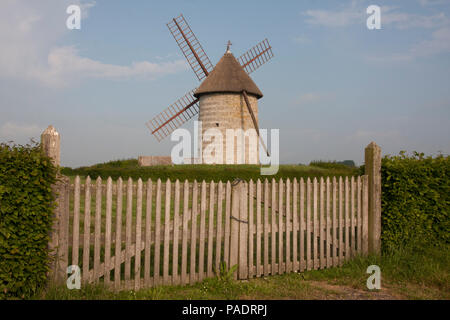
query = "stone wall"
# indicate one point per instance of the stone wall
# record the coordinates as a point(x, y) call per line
point(147, 161)
point(222, 111)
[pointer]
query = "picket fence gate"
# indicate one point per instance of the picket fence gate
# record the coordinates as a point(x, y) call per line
point(163, 233)
point(132, 235)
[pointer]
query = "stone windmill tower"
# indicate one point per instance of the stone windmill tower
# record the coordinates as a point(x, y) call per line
point(226, 99)
point(223, 107)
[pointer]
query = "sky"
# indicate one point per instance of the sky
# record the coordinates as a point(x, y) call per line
point(332, 87)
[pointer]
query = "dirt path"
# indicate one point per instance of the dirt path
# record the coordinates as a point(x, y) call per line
point(339, 292)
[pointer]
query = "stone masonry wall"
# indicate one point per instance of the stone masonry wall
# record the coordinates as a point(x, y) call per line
point(222, 111)
point(147, 161)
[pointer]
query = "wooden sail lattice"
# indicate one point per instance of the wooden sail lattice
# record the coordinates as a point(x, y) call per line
point(187, 107)
point(174, 116)
point(191, 47)
point(256, 56)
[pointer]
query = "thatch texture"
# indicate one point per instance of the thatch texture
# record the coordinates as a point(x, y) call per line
point(228, 76)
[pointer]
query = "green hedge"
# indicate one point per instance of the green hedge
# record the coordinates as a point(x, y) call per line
point(26, 210)
point(415, 199)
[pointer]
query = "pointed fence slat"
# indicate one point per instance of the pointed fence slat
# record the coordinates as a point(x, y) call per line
point(97, 228)
point(250, 228)
point(148, 232)
point(266, 228)
point(128, 230)
point(341, 220)
point(295, 264)
point(315, 218)
point(108, 227)
point(280, 227)
point(302, 263)
point(359, 215)
point(335, 224)
point(347, 219)
point(273, 269)
point(328, 219)
point(137, 255)
point(201, 251)
point(258, 229)
point(212, 198)
point(352, 217)
point(87, 229)
point(186, 234)
point(76, 222)
point(192, 270)
point(365, 215)
point(176, 229)
point(219, 223)
point(322, 224)
point(234, 231)
point(118, 244)
point(288, 224)
point(226, 241)
point(157, 246)
point(309, 264)
point(243, 231)
point(166, 244)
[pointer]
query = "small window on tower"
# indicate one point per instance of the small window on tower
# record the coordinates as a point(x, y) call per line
point(217, 124)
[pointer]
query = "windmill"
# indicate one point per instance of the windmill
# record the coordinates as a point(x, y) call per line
point(227, 97)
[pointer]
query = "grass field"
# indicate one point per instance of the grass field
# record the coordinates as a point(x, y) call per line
point(406, 273)
point(129, 168)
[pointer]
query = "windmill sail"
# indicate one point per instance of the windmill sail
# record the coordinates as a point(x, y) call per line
point(255, 123)
point(190, 46)
point(174, 116)
point(256, 56)
point(187, 107)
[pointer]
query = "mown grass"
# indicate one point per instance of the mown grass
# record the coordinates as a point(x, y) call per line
point(412, 271)
point(409, 272)
point(129, 168)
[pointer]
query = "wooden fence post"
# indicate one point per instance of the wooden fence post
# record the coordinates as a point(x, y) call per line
point(234, 232)
point(59, 235)
point(373, 171)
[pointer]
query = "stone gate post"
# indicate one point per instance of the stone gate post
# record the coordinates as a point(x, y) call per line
point(59, 235)
point(373, 170)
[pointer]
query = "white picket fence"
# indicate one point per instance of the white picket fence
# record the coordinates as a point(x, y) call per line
point(134, 235)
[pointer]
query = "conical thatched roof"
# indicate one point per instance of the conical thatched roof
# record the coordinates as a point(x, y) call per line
point(228, 76)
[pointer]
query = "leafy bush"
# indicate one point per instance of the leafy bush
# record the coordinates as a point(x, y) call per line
point(415, 199)
point(26, 210)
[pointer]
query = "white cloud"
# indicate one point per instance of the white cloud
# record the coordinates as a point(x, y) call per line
point(408, 21)
point(433, 2)
point(439, 43)
point(30, 32)
point(334, 18)
point(312, 97)
point(301, 39)
point(390, 16)
point(20, 133)
point(64, 65)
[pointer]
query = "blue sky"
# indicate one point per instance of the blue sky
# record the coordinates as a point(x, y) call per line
point(332, 88)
